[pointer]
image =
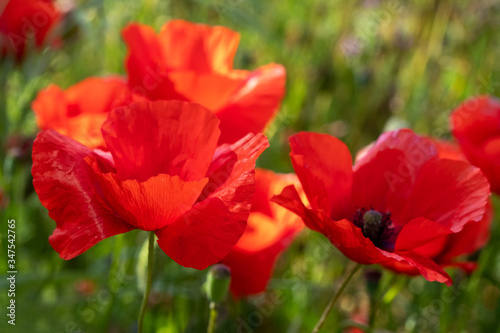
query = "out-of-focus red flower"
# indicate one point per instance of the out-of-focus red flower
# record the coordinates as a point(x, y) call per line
point(26, 23)
point(79, 111)
point(359, 316)
point(85, 287)
point(473, 237)
point(193, 62)
point(270, 230)
point(400, 196)
point(476, 126)
point(163, 173)
point(195, 65)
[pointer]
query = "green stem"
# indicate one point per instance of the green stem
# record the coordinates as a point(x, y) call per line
point(114, 270)
point(213, 318)
point(151, 252)
point(375, 302)
point(334, 299)
point(373, 311)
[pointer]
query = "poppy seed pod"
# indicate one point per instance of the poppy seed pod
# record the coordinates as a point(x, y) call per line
point(217, 285)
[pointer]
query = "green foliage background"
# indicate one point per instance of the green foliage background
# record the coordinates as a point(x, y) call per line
point(354, 68)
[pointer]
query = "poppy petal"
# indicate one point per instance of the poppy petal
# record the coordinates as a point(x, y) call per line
point(380, 180)
point(449, 150)
point(252, 269)
point(433, 248)
point(350, 240)
point(290, 199)
point(265, 183)
point(324, 166)
point(384, 176)
point(417, 149)
point(475, 125)
point(455, 193)
point(254, 104)
point(473, 237)
point(268, 184)
point(476, 119)
point(231, 173)
point(270, 230)
point(65, 185)
point(198, 47)
point(467, 266)
point(211, 90)
point(71, 112)
point(28, 23)
point(158, 72)
point(418, 232)
point(163, 137)
point(148, 205)
point(202, 236)
point(427, 268)
point(268, 220)
point(145, 64)
point(200, 70)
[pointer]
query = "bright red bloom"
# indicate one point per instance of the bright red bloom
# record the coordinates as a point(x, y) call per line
point(80, 110)
point(270, 230)
point(399, 196)
point(193, 62)
point(26, 23)
point(446, 249)
point(163, 173)
point(476, 127)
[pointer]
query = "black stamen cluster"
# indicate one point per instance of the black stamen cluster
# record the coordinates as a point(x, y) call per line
point(379, 233)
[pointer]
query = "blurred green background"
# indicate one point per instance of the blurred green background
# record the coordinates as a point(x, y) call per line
point(354, 69)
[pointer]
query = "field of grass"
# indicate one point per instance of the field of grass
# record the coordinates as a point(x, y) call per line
point(354, 69)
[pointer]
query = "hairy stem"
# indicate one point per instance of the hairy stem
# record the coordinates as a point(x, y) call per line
point(151, 252)
point(334, 299)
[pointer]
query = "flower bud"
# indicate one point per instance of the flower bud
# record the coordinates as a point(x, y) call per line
point(217, 285)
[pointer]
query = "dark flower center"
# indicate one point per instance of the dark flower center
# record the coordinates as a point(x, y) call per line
point(376, 226)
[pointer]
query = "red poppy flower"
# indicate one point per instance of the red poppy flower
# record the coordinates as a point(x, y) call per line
point(359, 316)
point(473, 237)
point(476, 127)
point(163, 173)
point(398, 197)
point(270, 230)
point(80, 110)
point(193, 62)
point(26, 23)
